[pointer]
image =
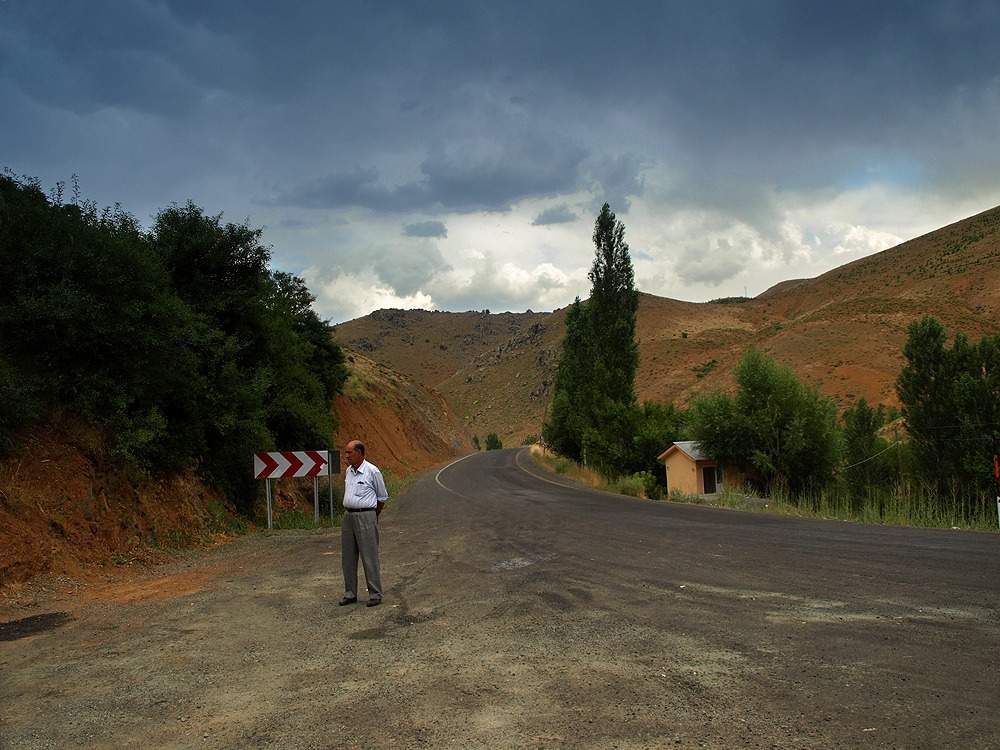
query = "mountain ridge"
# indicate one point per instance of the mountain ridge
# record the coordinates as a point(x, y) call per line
point(841, 332)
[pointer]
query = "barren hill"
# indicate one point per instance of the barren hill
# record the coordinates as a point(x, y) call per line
point(841, 332)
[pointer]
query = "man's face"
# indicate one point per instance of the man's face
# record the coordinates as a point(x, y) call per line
point(353, 455)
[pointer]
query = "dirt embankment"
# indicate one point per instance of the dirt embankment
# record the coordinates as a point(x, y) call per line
point(67, 520)
point(405, 427)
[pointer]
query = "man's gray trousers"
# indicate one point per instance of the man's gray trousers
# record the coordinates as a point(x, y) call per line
point(359, 537)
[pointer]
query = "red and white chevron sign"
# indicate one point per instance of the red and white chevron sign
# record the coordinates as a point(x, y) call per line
point(290, 464)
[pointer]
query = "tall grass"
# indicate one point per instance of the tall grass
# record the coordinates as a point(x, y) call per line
point(569, 469)
point(913, 504)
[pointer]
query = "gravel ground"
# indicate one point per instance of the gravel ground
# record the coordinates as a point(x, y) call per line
point(520, 613)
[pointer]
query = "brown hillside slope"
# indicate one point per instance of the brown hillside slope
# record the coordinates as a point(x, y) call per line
point(69, 523)
point(430, 346)
point(841, 332)
point(406, 427)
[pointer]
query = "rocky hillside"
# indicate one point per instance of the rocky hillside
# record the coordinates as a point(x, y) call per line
point(841, 332)
point(67, 520)
point(406, 427)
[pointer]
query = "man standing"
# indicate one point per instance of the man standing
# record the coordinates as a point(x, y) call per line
point(364, 496)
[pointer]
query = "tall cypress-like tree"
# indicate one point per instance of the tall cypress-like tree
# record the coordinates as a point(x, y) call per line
point(574, 378)
point(614, 308)
point(593, 408)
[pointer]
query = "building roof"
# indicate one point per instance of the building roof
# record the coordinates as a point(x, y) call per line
point(690, 447)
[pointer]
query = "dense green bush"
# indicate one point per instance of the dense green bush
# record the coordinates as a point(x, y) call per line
point(179, 341)
point(774, 429)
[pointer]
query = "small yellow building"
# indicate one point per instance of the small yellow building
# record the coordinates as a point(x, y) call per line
point(691, 472)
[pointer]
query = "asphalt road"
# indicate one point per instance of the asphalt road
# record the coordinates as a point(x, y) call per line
point(524, 613)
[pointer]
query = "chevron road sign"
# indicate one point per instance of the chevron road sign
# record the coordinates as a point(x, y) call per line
point(279, 464)
point(290, 464)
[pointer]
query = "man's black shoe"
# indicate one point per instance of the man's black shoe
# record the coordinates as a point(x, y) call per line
point(348, 600)
point(375, 601)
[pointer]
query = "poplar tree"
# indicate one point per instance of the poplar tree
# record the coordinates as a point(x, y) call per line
point(593, 409)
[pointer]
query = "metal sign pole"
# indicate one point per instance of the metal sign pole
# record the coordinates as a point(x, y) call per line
point(316, 499)
point(269, 524)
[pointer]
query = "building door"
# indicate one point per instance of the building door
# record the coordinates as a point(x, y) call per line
point(708, 479)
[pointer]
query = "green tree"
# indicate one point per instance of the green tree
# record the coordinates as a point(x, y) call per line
point(924, 388)
point(657, 427)
point(493, 442)
point(593, 409)
point(573, 387)
point(269, 365)
point(773, 428)
point(89, 322)
point(179, 342)
point(613, 310)
point(951, 403)
point(865, 470)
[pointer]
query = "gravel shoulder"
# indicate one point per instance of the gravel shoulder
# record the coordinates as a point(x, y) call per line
point(522, 613)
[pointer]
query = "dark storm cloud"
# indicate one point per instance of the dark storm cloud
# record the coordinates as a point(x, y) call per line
point(725, 111)
point(771, 88)
point(617, 180)
point(408, 269)
point(470, 177)
point(426, 229)
point(556, 215)
point(82, 56)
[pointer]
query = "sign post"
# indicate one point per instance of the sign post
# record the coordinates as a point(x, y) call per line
point(279, 464)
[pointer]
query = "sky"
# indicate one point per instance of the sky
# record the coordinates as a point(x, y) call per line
point(455, 155)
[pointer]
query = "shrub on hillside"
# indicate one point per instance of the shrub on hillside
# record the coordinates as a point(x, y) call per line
point(179, 341)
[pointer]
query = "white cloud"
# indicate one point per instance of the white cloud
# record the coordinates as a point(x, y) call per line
point(350, 296)
point(858, 241)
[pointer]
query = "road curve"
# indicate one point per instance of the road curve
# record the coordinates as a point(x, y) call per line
point(524, 611)
point(858, 634)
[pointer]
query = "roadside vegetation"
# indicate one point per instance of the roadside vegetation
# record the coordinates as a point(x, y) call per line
point(933, 464)
point(177, 343)
point(910, 506)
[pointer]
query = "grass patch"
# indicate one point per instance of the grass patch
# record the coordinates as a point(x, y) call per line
point(912, 506)
point(359, 387)
point(899, 506)
point(122, 559)
point(631, 486)
point(569, 469)
point(300, 518)
point(221, 521)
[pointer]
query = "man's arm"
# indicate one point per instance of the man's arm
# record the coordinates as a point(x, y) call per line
point(381, 494)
